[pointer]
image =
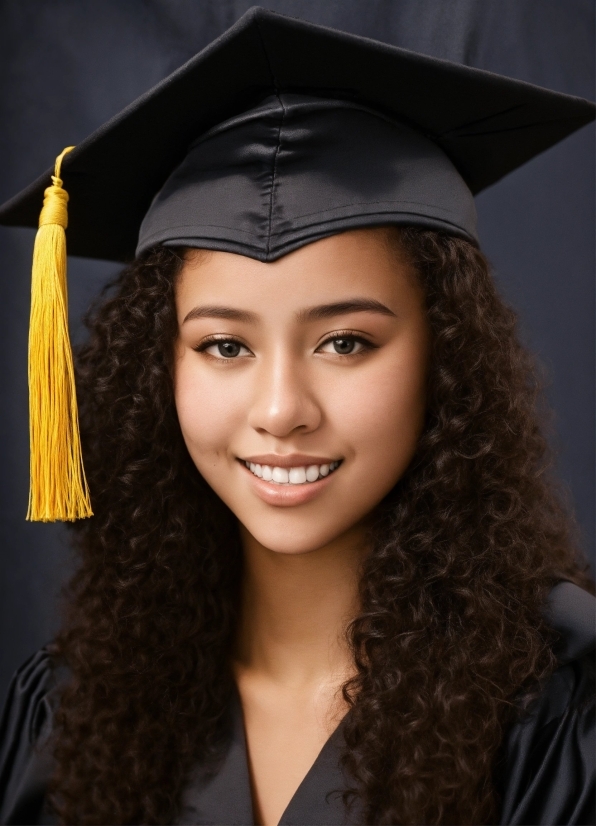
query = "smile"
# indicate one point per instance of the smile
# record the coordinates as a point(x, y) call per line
point(291, 476)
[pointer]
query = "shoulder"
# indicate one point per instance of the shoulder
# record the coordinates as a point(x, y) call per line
point(25, 727)
point(31, 687)
point(549, 761)
point(571, 611)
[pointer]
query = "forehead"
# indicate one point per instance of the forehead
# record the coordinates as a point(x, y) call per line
point(359, 263)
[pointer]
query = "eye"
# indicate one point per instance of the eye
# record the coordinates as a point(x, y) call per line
point(345, 345)
point(227, 349)
point(223, 348)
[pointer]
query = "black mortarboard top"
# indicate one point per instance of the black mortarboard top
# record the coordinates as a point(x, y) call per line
point(281, 132)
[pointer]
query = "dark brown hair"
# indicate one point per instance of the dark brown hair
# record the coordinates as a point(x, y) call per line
point(450, 632)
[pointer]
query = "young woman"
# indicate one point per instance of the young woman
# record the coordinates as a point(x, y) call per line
point(328, 578)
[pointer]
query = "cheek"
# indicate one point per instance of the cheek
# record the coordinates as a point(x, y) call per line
point(207, 416)
point(383, 416)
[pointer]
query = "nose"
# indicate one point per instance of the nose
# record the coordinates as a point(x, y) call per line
point(284, 400)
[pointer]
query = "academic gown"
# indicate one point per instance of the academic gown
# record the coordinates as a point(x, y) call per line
point(547, 775)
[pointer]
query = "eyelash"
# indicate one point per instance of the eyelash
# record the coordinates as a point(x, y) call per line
point(349, 334)
point(211, 340)
point(341, 334)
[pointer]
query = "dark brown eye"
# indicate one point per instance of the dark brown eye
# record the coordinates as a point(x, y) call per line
point(343, 346)
point(228, 349)
point(223, 348)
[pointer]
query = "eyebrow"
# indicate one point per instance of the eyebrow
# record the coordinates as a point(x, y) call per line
point(317, 313)
point(352, 305)
point(215, 311)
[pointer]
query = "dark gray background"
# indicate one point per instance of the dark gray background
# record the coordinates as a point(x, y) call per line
point(66, 66)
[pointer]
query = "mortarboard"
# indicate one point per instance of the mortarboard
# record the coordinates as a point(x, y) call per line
point(278, 133)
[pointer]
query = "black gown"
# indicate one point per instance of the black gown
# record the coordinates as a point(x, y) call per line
point(548, 774)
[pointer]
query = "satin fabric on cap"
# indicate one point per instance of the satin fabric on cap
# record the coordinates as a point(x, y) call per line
point(298, 168)
point(486, 124)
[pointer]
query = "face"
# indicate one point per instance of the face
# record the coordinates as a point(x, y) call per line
point(300, 384)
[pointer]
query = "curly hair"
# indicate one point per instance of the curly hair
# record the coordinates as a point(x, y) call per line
point(450, 633)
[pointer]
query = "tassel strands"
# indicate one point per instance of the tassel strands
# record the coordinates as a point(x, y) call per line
point(58, 488)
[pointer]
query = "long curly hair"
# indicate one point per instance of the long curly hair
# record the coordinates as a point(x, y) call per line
point(450, 633)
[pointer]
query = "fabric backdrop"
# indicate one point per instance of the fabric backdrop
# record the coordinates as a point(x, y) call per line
point(66, 66)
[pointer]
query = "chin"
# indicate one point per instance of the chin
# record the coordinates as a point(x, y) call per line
point(290, 548)
point(293, 541)
point(288, 543)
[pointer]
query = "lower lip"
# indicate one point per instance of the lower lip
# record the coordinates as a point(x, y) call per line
point(286, 496)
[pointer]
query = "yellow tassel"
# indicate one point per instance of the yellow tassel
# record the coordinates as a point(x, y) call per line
point(58, 485)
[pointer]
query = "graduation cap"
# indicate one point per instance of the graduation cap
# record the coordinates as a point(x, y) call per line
point(278, 133)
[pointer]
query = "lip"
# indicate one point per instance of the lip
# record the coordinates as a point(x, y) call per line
point(286, 496)
point(288, 460)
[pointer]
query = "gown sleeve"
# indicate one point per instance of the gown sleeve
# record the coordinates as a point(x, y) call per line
point(549, 766)
point(25, 726)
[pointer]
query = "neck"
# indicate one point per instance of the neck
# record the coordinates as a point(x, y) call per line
point(295, 611)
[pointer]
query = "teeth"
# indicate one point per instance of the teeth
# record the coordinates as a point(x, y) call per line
point(312, 473)
point(291, 476)
point(280, 475)
point(297, 476)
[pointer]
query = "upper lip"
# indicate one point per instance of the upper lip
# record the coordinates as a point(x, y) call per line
point(288, 460)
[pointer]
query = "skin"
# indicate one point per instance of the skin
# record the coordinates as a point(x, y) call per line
point(281, 390)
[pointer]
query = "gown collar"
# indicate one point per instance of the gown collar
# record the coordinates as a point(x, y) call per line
point(224, 795)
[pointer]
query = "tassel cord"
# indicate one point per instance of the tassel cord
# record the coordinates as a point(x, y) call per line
point(58, 487)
